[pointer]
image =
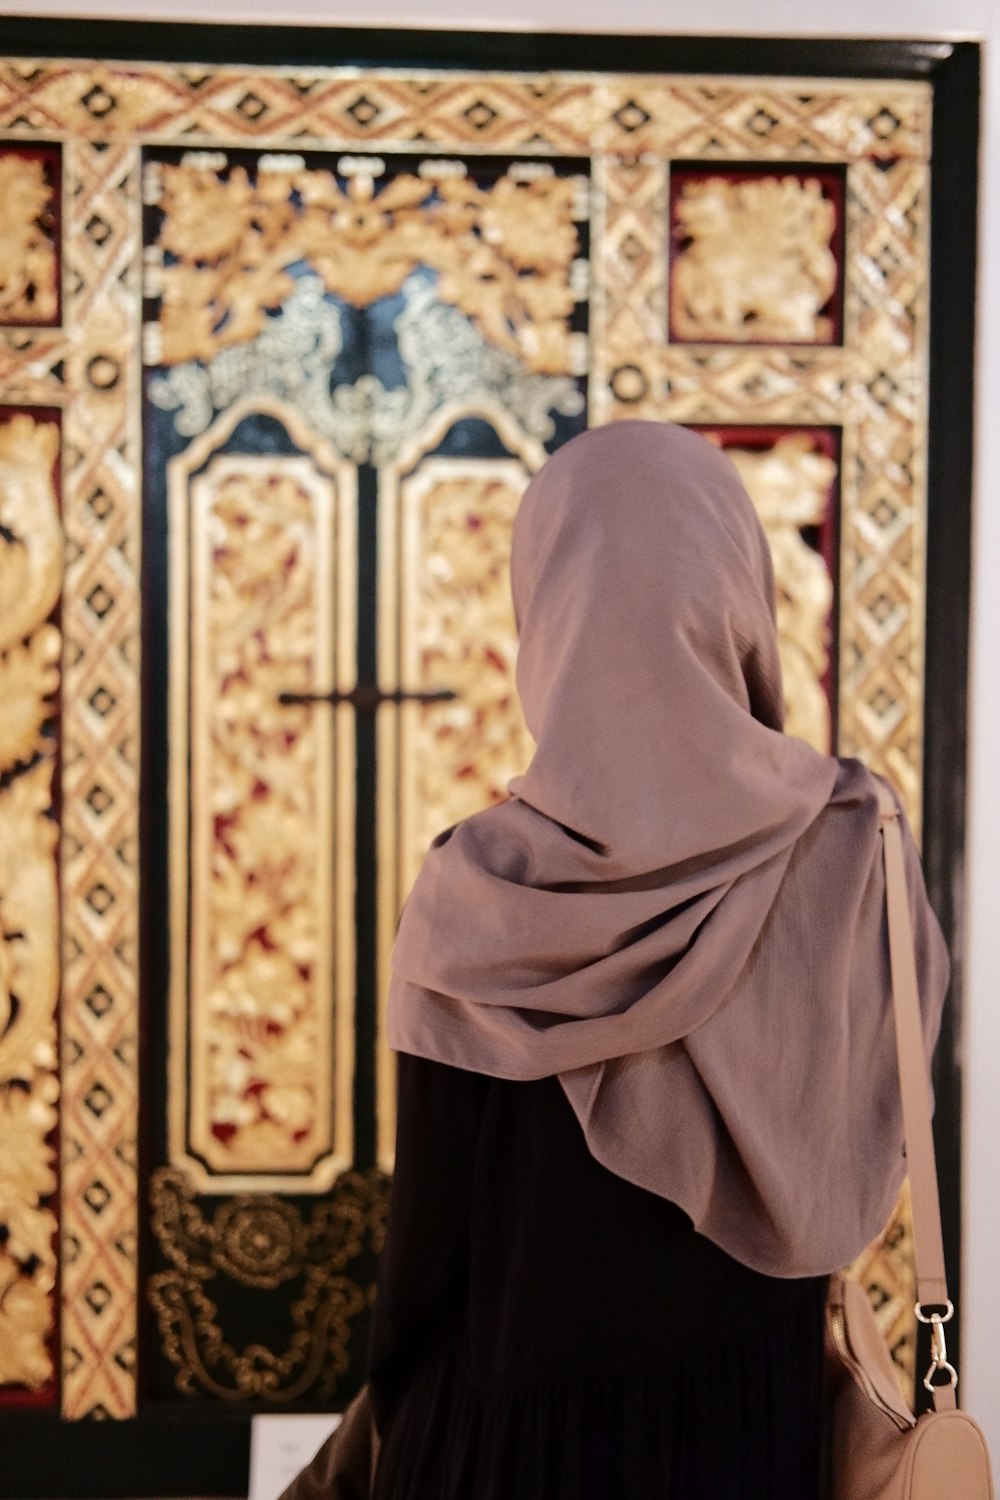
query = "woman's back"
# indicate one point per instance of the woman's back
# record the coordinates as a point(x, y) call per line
point(646, 994)
point(544, 1330)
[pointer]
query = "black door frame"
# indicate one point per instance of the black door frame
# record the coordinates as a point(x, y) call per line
point(176, 1449)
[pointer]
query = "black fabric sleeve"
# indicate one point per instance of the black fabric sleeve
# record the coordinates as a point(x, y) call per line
point(423, 1267)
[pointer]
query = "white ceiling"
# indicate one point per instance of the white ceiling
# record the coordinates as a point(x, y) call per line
point(949, 19)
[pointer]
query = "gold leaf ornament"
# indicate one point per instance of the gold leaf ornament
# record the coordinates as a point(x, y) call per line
point(261, 1241)
point(29, 677)
point(757, 263)
point(31, 544)
point(502, 252)
point(27, 250)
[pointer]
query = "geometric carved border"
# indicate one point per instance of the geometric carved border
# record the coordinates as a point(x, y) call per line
point(100, 789)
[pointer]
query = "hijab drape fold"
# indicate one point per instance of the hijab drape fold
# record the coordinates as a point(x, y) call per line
point(679, 909)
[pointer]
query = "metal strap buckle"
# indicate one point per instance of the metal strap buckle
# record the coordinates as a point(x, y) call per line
point(939, 1346)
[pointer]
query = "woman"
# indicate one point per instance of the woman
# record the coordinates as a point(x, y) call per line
point(648, 1096)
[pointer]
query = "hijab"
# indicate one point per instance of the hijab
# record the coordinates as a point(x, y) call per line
point(679, 908)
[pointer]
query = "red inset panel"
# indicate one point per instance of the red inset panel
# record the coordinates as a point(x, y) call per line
point(30, 252)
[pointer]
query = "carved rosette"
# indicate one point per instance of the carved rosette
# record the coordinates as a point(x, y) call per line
point(263, 1244)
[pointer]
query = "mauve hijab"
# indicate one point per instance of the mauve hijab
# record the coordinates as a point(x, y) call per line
point(680, 908)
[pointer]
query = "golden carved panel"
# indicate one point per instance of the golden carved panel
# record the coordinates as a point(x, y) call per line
point(502, 253)
point(29, 261)
point(872, 389)
point(754, 260)
point(31, 557)
point(262, 964)
point(458, 631)
point(631, 129)
point(790, 483)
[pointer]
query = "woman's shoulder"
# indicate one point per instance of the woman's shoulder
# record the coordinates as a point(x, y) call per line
point(859, 787)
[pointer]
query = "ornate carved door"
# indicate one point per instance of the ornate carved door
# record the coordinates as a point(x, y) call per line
point(347, 387)
point(281, 347)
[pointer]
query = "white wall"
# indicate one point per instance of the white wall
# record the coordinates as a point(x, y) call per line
point(925, 19)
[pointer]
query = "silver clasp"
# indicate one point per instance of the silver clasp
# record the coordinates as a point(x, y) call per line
point(939, 1346)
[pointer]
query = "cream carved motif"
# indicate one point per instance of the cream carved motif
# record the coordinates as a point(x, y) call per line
point(790, 484)
point(502, 253)
point(28, 261)
point(445, 358)
point(755, 261)
point(30, 584)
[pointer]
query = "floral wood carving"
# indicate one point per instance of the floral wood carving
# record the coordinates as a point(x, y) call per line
point(262, 1242)
point(28, 256)
point(461, 631)
point(265, 1089)
point(755, 261)
point(633, 128)
point(502, 253)
point(790, 486)
point(30, 583)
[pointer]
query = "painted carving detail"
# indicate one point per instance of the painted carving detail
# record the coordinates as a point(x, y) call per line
point(502, 253)
point(28, 259)
point(264, 1244)
point(632, 126)
point(444, 355)
point(790, 485)
point(462, 635)
point(755, 261)
point(30, 584)
point(261, 971)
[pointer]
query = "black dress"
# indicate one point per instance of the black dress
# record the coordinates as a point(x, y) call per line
point(545, 1330)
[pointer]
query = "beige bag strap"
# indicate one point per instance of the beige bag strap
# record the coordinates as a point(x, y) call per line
point(928, 1247)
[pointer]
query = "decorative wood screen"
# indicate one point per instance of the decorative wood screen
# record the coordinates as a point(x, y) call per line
point(281, 347)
